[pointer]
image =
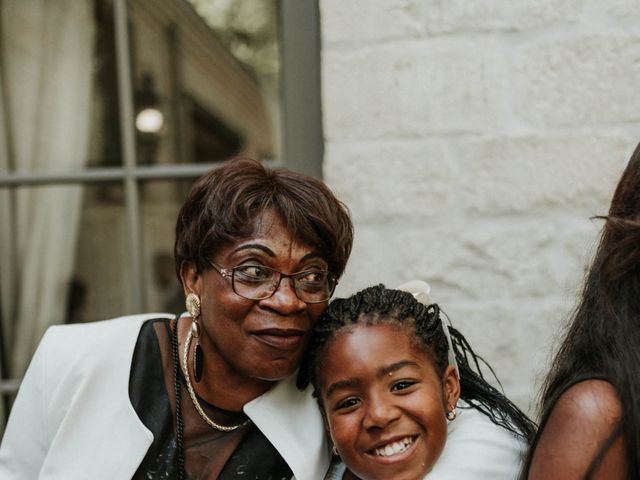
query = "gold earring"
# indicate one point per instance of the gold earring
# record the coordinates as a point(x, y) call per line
point(193, 307)
point(192, 302)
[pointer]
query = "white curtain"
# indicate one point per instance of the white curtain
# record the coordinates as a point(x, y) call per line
point(47, 54)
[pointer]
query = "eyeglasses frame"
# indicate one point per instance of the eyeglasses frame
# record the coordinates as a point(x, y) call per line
point(229, 273)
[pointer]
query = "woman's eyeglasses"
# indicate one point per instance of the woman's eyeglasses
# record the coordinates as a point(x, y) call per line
point(257, 282)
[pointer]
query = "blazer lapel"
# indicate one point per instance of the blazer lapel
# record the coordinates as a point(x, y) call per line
point(291, 420)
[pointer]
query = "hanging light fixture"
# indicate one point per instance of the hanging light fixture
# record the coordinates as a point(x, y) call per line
point(150, 120)
point(149, 116)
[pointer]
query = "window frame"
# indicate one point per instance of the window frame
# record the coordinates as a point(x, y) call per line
point(301, 131)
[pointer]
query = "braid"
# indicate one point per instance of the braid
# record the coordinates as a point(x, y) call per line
point(483, 396)
point(374, 306)
point(379, 305)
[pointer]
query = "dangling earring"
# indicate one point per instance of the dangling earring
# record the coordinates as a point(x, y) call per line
point(451, 414)
point(193, 307)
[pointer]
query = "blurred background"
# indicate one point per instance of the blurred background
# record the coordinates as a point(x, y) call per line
point(472, 142)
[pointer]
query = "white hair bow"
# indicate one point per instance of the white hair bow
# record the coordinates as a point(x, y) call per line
point(421, 291)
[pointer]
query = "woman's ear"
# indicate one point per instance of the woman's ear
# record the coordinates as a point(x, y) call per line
point(450, 387)
point(191, 278)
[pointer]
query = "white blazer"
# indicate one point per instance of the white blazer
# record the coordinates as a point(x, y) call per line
point(73, 419)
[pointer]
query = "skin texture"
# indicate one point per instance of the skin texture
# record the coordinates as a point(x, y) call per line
point(376, 388)
point(580, 423)
point(250, 344)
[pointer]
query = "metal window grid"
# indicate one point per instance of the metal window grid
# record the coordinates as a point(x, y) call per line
point(302, 142)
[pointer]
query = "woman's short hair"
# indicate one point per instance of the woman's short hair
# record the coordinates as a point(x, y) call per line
point(223, 204)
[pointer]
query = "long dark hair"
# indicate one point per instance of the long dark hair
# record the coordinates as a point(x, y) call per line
point(379, 305)
point(603, 337)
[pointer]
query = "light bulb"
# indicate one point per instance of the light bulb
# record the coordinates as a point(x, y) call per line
point(149, 120)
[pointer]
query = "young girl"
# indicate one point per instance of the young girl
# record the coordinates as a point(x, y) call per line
point(388, 375)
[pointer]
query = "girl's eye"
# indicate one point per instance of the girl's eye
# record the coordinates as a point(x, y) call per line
point(347, 403)
point(402, 385)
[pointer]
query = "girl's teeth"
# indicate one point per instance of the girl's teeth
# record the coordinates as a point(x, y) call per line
point(393, 448)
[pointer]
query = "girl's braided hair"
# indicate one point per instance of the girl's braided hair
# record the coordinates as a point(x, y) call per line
point(379, 305)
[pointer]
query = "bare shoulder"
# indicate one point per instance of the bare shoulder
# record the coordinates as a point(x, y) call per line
point(592, 404)
point(582, 422)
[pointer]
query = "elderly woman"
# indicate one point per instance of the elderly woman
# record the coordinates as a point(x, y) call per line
point(259, 253)
point(211, 394)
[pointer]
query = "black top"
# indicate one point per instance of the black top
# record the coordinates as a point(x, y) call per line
point(244, 453)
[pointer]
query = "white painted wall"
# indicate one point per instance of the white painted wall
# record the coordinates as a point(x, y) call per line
point(472, 141)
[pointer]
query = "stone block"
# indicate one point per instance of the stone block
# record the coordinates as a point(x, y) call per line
point(581, 80)
point(390, 180)
point(447, 16)
point(419, 179)
point(623, 10)
point(540, 174)
point(364, 21)
point(412, 89)
point(475, 260)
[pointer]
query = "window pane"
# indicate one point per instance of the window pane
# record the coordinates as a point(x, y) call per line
point(70, 121)
point(62, 259)
point(202, 96)
point(160, 203)
point(250, 30)
point(105, 148)
point(100, 285)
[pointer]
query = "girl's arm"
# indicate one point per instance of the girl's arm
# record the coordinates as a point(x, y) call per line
point(581, 426)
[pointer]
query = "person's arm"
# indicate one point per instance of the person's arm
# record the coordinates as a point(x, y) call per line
point(25, 442)
point(584, 419)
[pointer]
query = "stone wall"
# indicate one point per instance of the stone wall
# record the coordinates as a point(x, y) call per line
point(473, 141)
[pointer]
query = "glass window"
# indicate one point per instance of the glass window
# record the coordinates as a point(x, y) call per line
point(100, 282)
point(160, 203)
point(109, 109)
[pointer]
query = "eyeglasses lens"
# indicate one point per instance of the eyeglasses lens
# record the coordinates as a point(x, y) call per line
point(257, 282)
point(314, 287)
